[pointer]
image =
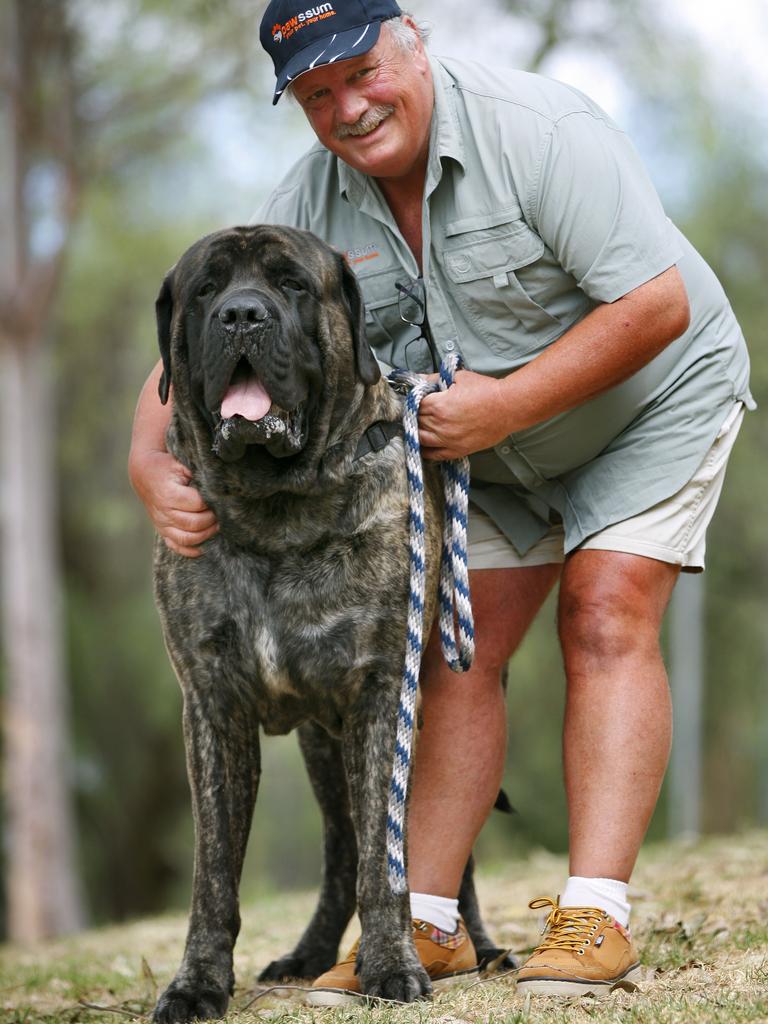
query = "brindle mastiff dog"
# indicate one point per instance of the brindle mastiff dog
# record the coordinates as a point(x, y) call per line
point(295, 614)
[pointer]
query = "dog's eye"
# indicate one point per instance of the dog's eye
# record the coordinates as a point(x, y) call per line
point(207, 288)
point(291, 284)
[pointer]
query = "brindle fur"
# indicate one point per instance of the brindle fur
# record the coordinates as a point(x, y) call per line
point(295, 614)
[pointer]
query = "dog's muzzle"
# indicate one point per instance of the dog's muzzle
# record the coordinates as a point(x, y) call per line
point(248, 414)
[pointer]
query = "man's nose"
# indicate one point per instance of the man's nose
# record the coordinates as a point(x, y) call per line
point(350, 106)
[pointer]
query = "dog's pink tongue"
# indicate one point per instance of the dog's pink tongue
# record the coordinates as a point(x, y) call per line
point(247, 399)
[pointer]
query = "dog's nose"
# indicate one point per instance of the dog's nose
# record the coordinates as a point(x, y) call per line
point(242, 311)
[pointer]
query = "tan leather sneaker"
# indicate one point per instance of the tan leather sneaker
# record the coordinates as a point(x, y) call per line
point(447, 957)
point(584, 950)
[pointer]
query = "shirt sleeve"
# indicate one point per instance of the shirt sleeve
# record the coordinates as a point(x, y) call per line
point(597, 210)
point(281, 207)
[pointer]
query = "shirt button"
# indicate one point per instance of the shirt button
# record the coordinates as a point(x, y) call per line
point(450, 346)
point(505, 449)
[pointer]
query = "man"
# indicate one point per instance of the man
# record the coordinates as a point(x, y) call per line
point(607, 380)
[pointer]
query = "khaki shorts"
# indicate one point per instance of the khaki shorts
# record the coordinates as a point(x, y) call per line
point(672, 531)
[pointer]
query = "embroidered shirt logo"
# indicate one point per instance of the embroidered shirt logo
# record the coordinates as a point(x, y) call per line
point(362, 253)
point(311, 16)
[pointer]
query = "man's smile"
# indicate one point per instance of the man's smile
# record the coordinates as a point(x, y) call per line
point(365, 125)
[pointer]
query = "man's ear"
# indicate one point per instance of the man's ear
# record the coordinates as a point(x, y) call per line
point(164, 316)
point(367, 368)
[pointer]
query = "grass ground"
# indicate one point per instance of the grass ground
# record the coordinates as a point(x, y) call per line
point(700, 916)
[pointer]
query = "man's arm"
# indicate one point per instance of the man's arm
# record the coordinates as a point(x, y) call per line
point(176, 509)
point(605, 348)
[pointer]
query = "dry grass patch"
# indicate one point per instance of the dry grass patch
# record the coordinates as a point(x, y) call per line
point(700, 916)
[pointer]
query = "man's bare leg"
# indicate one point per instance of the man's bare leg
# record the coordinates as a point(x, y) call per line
point(618, 719)
point(460, 749)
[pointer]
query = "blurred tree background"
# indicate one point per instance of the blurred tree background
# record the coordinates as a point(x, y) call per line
point(176, 137)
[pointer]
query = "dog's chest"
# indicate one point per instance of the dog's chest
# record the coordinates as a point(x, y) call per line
point(296, 623)
point(299, 649)
point(307, 626)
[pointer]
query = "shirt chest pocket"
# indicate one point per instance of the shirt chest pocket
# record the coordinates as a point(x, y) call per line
point(495, 266)
point(382, 318)
point(394, 341)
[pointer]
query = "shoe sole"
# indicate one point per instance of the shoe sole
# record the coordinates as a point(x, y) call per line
point(344, 997)
point(572, 987)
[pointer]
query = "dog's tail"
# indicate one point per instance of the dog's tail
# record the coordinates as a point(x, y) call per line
point(502, 804)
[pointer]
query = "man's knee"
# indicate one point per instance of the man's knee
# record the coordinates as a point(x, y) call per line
point(487, 672)
point(603, 625)
point(504, 603)
point(590, 628)
point(611, 605)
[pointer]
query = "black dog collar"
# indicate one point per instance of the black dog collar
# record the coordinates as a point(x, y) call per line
point(378, 436)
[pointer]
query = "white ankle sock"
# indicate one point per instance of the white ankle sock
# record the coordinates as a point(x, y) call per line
point(441, 911)
point(607, 894)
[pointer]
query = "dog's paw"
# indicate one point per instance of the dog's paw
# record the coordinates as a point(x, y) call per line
point(182, 1003)
point(402, 984)
point(297, 965)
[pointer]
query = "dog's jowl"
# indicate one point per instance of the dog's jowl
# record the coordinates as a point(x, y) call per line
point(295, 614)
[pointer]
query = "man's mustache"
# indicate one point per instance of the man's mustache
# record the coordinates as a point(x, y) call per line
point(371, 119)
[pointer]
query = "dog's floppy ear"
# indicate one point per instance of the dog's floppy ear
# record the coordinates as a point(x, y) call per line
point(164, 316)
point(367, 368)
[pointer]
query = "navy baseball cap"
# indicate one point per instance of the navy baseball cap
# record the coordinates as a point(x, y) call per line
point(299, 38)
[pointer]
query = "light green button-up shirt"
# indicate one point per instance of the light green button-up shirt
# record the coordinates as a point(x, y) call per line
point(536, 210)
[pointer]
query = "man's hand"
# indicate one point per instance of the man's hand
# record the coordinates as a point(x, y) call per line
point(176, 509)
point(468, 417)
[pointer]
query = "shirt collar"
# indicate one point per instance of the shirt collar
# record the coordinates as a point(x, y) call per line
point(445, 140)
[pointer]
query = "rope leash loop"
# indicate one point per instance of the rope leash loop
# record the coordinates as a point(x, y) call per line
point(453, 598)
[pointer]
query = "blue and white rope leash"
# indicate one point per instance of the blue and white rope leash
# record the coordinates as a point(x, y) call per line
point(453, 595)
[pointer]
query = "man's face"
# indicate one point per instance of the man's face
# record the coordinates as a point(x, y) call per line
point(374, 111)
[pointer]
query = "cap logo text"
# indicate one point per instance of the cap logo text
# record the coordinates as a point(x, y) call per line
point(308, 17)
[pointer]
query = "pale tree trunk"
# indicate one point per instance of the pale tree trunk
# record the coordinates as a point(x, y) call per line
point(42, 894)
point(686, 664)
point(42, 891)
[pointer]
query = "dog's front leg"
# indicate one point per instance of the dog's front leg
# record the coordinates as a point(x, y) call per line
point(387, 962)
point(223, 764)
point(317, 948)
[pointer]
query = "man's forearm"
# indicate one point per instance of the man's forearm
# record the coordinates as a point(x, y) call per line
point(605, 348)
point(176, 508)
point(150, 421)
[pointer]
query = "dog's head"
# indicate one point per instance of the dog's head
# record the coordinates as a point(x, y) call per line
point(262, 334)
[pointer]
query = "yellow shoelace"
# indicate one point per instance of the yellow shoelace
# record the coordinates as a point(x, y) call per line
point(566, 927)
